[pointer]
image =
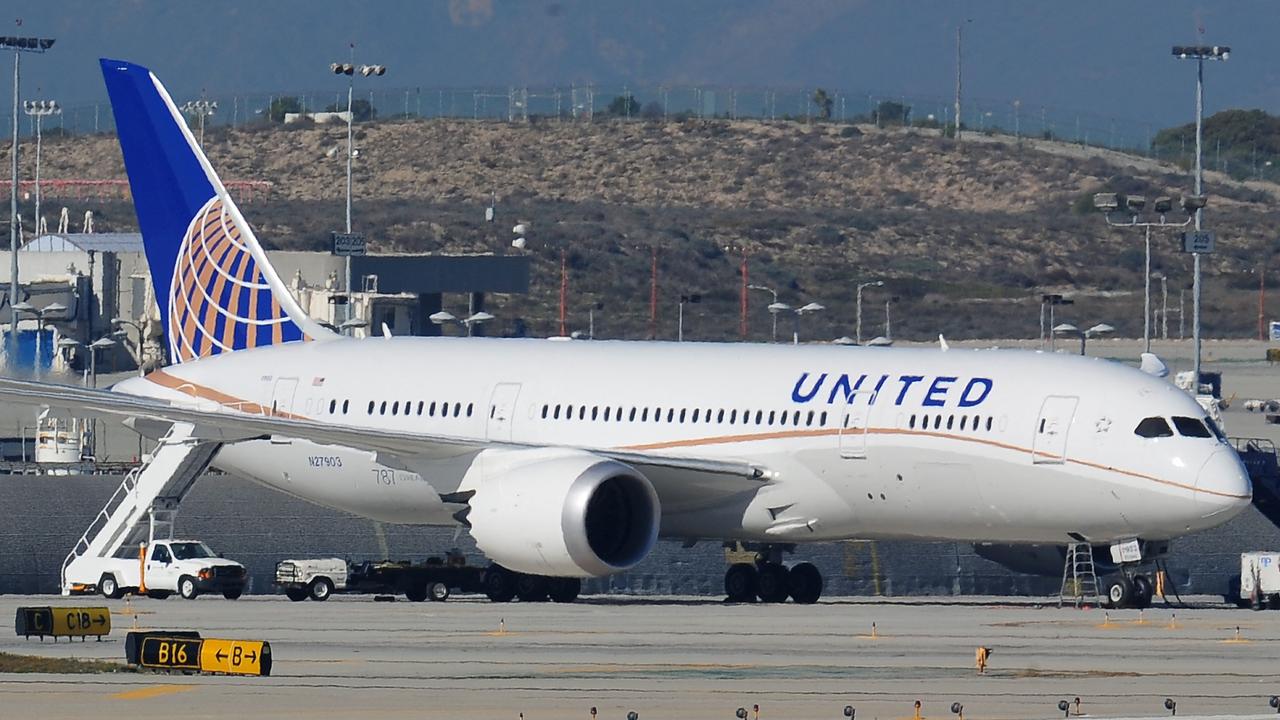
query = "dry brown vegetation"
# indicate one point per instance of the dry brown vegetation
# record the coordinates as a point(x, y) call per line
point(966, 239)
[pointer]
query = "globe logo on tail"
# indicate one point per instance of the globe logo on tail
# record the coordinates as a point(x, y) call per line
point(219, 300)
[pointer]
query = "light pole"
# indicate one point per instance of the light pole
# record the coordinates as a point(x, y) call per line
point(349, 69)
point(774, 309)
point(1199, 53)
point(888, 324)
point(874, 283)
point(1109, 203)
point(18, 45)
point(39, 109)
point(444, 317)
point(201, 109)
point(811, 308)
point(774, 293)
point(1096, 331)
point(137, 329)
point(1051, 300)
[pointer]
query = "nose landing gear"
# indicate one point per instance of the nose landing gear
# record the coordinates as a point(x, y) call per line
point(766, 579)
point(1133, 591)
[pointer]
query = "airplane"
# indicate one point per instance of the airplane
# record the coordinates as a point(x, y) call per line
point(568, 459)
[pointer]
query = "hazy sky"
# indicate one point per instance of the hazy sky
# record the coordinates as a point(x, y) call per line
point(1109, 57)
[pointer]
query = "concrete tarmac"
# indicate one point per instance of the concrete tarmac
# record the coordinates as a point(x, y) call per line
point(671, 658)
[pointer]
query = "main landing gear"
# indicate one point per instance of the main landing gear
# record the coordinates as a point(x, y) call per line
point(768, 580)
point(1128, 589)
point(503, 585)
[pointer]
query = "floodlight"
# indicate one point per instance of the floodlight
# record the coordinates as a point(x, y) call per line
point(1192, 203)
point(1163, 205)
point(1106, 202)
point(442, 317)
point(1135, 203)
point(778, 307)
point(812, 307)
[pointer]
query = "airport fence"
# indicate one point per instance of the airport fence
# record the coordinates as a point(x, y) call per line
point(589, 102)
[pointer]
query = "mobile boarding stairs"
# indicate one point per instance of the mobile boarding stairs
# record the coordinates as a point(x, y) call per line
point(144, 507)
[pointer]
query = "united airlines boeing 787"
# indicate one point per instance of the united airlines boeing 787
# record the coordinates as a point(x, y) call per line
point(571, 459)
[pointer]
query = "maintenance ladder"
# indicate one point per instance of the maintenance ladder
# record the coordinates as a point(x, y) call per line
point(145, 505)
point(1079, 579)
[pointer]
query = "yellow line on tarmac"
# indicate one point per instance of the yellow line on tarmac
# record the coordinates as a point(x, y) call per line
point(150, 692)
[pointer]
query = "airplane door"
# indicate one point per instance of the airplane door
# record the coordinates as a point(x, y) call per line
point(1050, 443)
point(282, 395)
point(502, 407)
point(853, 425)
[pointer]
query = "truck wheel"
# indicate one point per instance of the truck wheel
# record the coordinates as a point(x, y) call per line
point(416, 590)
point(296, 594)
point(564, 590)
point(109, 587)
point(233, 594)
point(187, 587)
point(159, 594)
point(499, 583)
point(437, 592)
point(320, 589)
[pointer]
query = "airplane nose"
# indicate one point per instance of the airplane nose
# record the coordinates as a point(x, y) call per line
point(1223, 485)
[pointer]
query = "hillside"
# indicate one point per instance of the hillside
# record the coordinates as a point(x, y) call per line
point(967, 240)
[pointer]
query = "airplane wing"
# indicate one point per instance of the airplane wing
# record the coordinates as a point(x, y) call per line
point(709, 478)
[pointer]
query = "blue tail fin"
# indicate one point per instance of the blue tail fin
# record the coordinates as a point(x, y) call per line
point(216, 291)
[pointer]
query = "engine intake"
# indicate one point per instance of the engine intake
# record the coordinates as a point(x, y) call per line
point(563, 513)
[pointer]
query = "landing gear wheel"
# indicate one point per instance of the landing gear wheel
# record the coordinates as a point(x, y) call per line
point(109, 588)
point(804, 583)
point(1119, 592)
point(564, 590)
point(437, 592)
point(740, 583)
point(499, 583)
point(771, 583)
point(321, 588)
point(187, 588)
point(233, 594)
point(532, 588)
point(1143, 591)
point(296, 594)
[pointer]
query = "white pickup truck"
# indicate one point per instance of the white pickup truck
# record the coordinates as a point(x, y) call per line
point(187, 567)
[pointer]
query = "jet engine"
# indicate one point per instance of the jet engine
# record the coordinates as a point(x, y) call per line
point(560, 513)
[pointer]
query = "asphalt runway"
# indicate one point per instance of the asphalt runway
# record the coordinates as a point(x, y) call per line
point(671, 658)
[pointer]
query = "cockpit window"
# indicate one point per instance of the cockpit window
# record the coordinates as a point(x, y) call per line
point(1191, 427)
point(1153, 427)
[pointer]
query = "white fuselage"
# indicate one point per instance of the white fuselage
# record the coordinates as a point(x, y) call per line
point(989, 445)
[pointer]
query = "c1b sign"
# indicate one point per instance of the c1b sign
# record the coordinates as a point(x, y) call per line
point(1197, 241)
point(345, 244)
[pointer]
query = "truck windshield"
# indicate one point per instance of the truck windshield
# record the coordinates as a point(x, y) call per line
point(191, 550)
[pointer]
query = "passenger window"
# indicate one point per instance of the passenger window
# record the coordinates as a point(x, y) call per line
point(370, 407)
point(1042, 426)
point(809, 420)
point(682, 411)
point(720, 416)
point(382, 409)
point(344, 406)
point(951, 421)
point(772, 415)
point(333, 406)
point(782, 417)
point(595, 412)
point(395, 408)
point(671, 414)
point(1153, 427)
point(644, 415)
point(470, 408)
point(823, 421)
point(733, 417)
point(457, 409)
point(544, 412)
point(555, 414)
point(631, 416)
point(696, 414)
point(607, 410)
point(911, 423)
point(988, 422)
point(1191, 427)
point(937, 422)
point(964, 419)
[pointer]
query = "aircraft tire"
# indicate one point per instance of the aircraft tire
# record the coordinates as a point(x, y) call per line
point(565, 590)
point(740, 583)
point(1143, 591)
point(1119, 592)
point(771, 583)
point(532, 588)
point(804, 583)
point(499, 583)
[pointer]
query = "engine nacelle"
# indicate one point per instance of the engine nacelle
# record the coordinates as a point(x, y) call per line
point(561, 513)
